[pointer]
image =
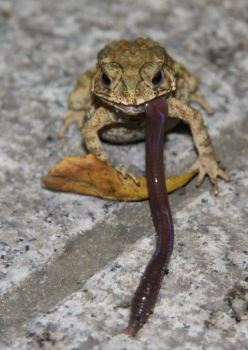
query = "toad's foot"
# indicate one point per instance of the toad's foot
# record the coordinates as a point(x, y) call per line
point(125, 174)
point(101, 155)
point(207, 165)
point(70, 118)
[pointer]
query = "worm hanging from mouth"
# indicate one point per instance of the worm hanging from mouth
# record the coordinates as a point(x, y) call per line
point(146, 294)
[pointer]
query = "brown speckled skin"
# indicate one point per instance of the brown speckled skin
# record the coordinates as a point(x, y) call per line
point(114, 93)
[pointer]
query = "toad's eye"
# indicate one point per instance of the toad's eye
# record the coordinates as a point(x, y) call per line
point(106, 81)
point(158, 78)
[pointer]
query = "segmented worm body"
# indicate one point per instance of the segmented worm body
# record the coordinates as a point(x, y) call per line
point(146, 294)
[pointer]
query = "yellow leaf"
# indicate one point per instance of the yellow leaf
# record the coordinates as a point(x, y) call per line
point(90, 176)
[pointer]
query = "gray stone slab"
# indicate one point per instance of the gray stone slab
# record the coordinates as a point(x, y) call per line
point(202, 303)
point(44, 47)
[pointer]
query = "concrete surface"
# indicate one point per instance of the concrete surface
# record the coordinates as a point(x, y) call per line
point(69, 264)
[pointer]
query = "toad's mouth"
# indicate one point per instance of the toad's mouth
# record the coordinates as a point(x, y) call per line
point(128, 109)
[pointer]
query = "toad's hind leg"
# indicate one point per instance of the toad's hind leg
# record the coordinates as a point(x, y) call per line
point(188, 88)
point(198, 98)
point(70, 118)
point(79, 102)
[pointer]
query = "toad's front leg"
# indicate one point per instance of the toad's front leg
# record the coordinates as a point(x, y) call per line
point(206, 163)
point(100, 118)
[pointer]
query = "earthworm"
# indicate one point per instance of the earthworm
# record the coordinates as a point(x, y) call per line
point(146, 295)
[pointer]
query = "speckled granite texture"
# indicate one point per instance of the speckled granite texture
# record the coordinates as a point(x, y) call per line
point(70, 264)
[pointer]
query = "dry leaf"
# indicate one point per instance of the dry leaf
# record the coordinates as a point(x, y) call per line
point(89, 176)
